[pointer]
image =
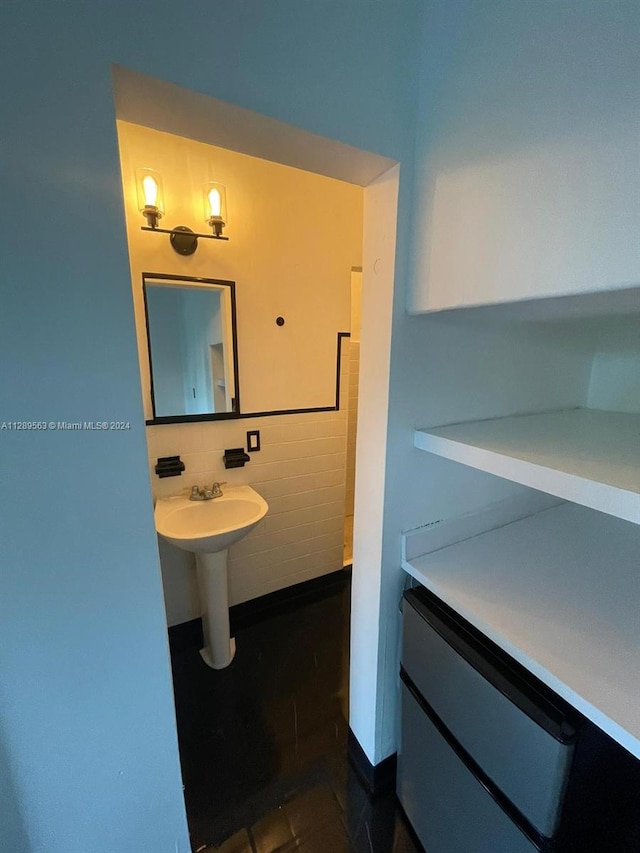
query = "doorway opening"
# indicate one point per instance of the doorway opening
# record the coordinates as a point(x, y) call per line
point(167, 109)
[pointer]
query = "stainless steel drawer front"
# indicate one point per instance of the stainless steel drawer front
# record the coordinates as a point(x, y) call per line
point(527, 763)
point(448, 808)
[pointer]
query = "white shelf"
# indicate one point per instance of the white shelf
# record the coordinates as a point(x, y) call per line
point(600, 303)
point(559, 592)
point(582, 455)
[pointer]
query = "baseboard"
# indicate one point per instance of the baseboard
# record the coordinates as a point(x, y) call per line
point(380, 778)
point(189, 634)
point(251, 612)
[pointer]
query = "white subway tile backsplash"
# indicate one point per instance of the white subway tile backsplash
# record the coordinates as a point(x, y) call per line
point(278, 434)
point(240, 592)
point(352, 419)
point(203, 462)
point(294, 467)
point(275, 561)
point(296, 450)
point(267, 541)
point(311, 498)
point(248, 422)
point(297, 518)
point(314, 569)
point(320, 563)
point(169, 486)
point(292, 486)
point(300, 470)
point(173, 439)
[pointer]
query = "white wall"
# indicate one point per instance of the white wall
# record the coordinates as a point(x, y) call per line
point(280, 266)
point(281, 223)
point(300, 471)
point(615, 373)
point(85, 688)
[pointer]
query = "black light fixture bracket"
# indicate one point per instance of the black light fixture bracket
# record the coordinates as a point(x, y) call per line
point(183, 240)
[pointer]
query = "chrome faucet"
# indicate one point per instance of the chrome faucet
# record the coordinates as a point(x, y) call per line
point(206, 494)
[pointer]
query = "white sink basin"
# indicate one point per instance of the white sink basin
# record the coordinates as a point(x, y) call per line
point(210, 526)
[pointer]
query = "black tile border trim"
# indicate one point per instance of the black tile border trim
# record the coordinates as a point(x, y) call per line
point(188, 635)
point(379, 779)
point(238, 415)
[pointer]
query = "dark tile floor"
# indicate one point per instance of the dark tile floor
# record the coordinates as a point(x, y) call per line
point(263, 744)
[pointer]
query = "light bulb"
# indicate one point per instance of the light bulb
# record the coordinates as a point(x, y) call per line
point(150, 195)
point(214, 202)
point(150, 190)
point(214, 197)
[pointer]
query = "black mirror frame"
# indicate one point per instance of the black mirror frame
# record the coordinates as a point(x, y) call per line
point(184, 419)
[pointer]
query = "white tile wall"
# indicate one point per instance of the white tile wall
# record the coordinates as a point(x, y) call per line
point(352, 423)
point(300, 471)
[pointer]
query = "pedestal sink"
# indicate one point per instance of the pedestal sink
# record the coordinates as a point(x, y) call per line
point(208, 528)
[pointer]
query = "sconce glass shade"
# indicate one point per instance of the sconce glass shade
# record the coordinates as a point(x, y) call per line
point(150, 195)
point(215, 206)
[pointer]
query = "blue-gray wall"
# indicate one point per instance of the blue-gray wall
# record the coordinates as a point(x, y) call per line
point(86, 709)
point(86, 715)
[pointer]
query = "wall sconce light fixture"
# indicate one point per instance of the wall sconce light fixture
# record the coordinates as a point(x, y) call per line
point(150, 196)
point(215, 207)
point(183, 240)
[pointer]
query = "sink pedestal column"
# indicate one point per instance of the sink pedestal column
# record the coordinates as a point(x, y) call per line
point(219, 646)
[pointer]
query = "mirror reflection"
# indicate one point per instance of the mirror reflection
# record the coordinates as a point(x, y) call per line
point(191, 333)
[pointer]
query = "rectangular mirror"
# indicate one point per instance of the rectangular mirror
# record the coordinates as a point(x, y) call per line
point(191, 335)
